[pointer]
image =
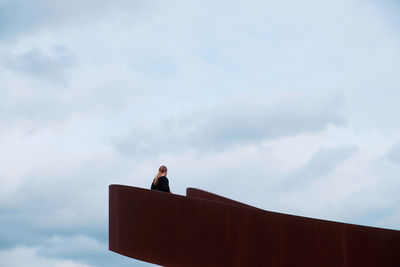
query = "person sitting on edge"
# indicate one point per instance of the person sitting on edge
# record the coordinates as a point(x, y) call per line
point(160, 182)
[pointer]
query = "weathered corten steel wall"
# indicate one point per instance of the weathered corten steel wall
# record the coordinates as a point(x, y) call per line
point(204, 229)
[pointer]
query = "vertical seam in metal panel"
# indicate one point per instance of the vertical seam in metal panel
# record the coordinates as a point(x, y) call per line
point(344, 244)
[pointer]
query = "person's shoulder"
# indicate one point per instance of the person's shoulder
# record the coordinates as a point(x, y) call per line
point(163, 178)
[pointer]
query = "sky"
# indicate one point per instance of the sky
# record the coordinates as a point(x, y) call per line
point(289, 106)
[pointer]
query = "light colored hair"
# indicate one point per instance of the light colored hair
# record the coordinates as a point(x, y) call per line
point(161, 170)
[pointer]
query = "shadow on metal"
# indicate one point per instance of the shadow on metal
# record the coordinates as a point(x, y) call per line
point(204, 229)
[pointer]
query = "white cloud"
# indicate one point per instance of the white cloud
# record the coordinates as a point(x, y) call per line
point(236, 98)
point(321, 164)
point(243, 119)
point(75, 251)
point(394, 154)
point(39, 65)
point(27, 256)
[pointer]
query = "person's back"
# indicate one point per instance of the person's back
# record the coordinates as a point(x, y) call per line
point(161, 182)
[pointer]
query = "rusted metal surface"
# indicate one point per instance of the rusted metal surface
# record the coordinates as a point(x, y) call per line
point(204, 229)
point(197, 193)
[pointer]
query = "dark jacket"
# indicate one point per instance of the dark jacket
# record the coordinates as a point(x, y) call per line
point(162, 184)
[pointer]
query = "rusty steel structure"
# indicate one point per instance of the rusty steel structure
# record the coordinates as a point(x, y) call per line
point(204, 229)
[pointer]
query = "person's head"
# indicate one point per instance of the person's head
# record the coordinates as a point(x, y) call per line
point(162, 171)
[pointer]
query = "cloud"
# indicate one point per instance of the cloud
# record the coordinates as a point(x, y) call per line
point(49, 15)
point(27, 256)
point(63, 215)
point(84, 249)
point(71, 246)
point(321, 163)
point(57, 204)
point(283, 106)
point(244, 119)
point(39, 65)
point(45, 256)
point(89, 93)
point(393, 154)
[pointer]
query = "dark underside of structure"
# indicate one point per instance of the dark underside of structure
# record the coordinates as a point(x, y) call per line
point(204, 229)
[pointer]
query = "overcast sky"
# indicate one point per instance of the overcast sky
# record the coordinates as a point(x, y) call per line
point(290, 106)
